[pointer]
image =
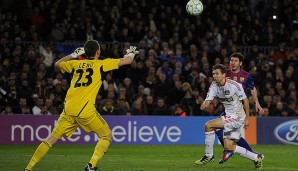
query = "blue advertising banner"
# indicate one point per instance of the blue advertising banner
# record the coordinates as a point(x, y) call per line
point(277, 130)
point(158, 129)
point(29, 129)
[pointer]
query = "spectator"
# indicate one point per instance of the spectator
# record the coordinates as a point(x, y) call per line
point(165, 68)
point(37, 109)
point(50, 84)
point(161, 87)
point(138, 107)
point(58, 79)
point(122, 105)
point(150, 105)
point(12, 98)
point(108, 80)
point(57, 33)
point(108, 108)
point(151, 78)
point(278, 109)
point(127, 84)
point(48, 55)
point(111, 95)
point(140, 93)
point(7, 110)
point(45, 111)
point(23, 107)
point(64, 84)
point(187, 102)
point(49, 107)
point(161, 109)
point(179, 111)
point(41, 89)
point(291, 108)
point(175, 95)
point(179, 56)
point(59, 95)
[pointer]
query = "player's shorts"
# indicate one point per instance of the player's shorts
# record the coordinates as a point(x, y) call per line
point(67, 125)
point(232, 125)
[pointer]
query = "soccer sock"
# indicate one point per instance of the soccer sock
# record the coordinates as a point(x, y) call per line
point(100, 149)
point(39, 153)
point(245, 153)
point(219, 134)
point(242, 143)
point(209, 142)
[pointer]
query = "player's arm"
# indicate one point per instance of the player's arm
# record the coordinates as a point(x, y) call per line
point(254, 93)
point(64, 59)
point(128, 58)
point(78, 52)
point(210, 96)
point(205, 104)
point(242, 96)
point(246, 109)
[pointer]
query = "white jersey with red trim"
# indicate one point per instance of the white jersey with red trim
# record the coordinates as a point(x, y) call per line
point(230, 95)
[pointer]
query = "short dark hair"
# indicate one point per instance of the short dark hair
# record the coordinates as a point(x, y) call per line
point(237, 55)
point(90, 47)
point(222, 68)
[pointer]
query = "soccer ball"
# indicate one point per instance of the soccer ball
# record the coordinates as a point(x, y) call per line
point(194, 7)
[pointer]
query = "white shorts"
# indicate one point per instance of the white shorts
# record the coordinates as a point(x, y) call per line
point(232, 125)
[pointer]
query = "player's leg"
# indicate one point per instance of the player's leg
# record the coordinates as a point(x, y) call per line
point(102, 145)
point(101, 128)
point(232, 133)
point(257, 158)
point(230, 126)
point(210, 126)
point(65, 126)
point(227, 154)
point(230, 146)
point(219, 134)
point(243, 143)
point(41, 151)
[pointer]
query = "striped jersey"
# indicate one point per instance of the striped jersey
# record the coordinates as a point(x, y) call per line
point(241, 77)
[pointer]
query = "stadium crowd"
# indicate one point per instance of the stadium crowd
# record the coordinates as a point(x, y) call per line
point(172, 72)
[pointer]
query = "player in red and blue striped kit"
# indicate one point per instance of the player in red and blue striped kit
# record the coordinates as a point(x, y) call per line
point(241, 76)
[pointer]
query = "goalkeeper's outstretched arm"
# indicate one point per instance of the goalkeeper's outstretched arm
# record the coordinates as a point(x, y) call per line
point(128, 58)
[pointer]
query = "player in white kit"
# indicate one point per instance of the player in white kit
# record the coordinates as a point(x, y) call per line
point(230, 94)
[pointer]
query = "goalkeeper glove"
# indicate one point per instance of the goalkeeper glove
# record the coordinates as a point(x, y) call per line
point(78, 52)
point(132, 50)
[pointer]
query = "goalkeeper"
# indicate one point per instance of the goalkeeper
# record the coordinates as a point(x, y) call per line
point(79, 108)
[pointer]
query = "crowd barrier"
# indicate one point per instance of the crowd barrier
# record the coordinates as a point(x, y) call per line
point(29, 129)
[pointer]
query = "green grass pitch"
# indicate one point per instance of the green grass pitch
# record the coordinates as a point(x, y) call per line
point(144, 158)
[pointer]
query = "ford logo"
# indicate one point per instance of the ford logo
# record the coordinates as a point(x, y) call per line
point(287, 132)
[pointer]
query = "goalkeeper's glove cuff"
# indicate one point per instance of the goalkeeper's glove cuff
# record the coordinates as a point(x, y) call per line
point(78, 52)
point(74, 55)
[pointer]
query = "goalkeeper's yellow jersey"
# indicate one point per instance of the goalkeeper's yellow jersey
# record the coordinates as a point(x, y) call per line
point(85, 84)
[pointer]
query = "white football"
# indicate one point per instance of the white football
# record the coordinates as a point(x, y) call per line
point(194, 7)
